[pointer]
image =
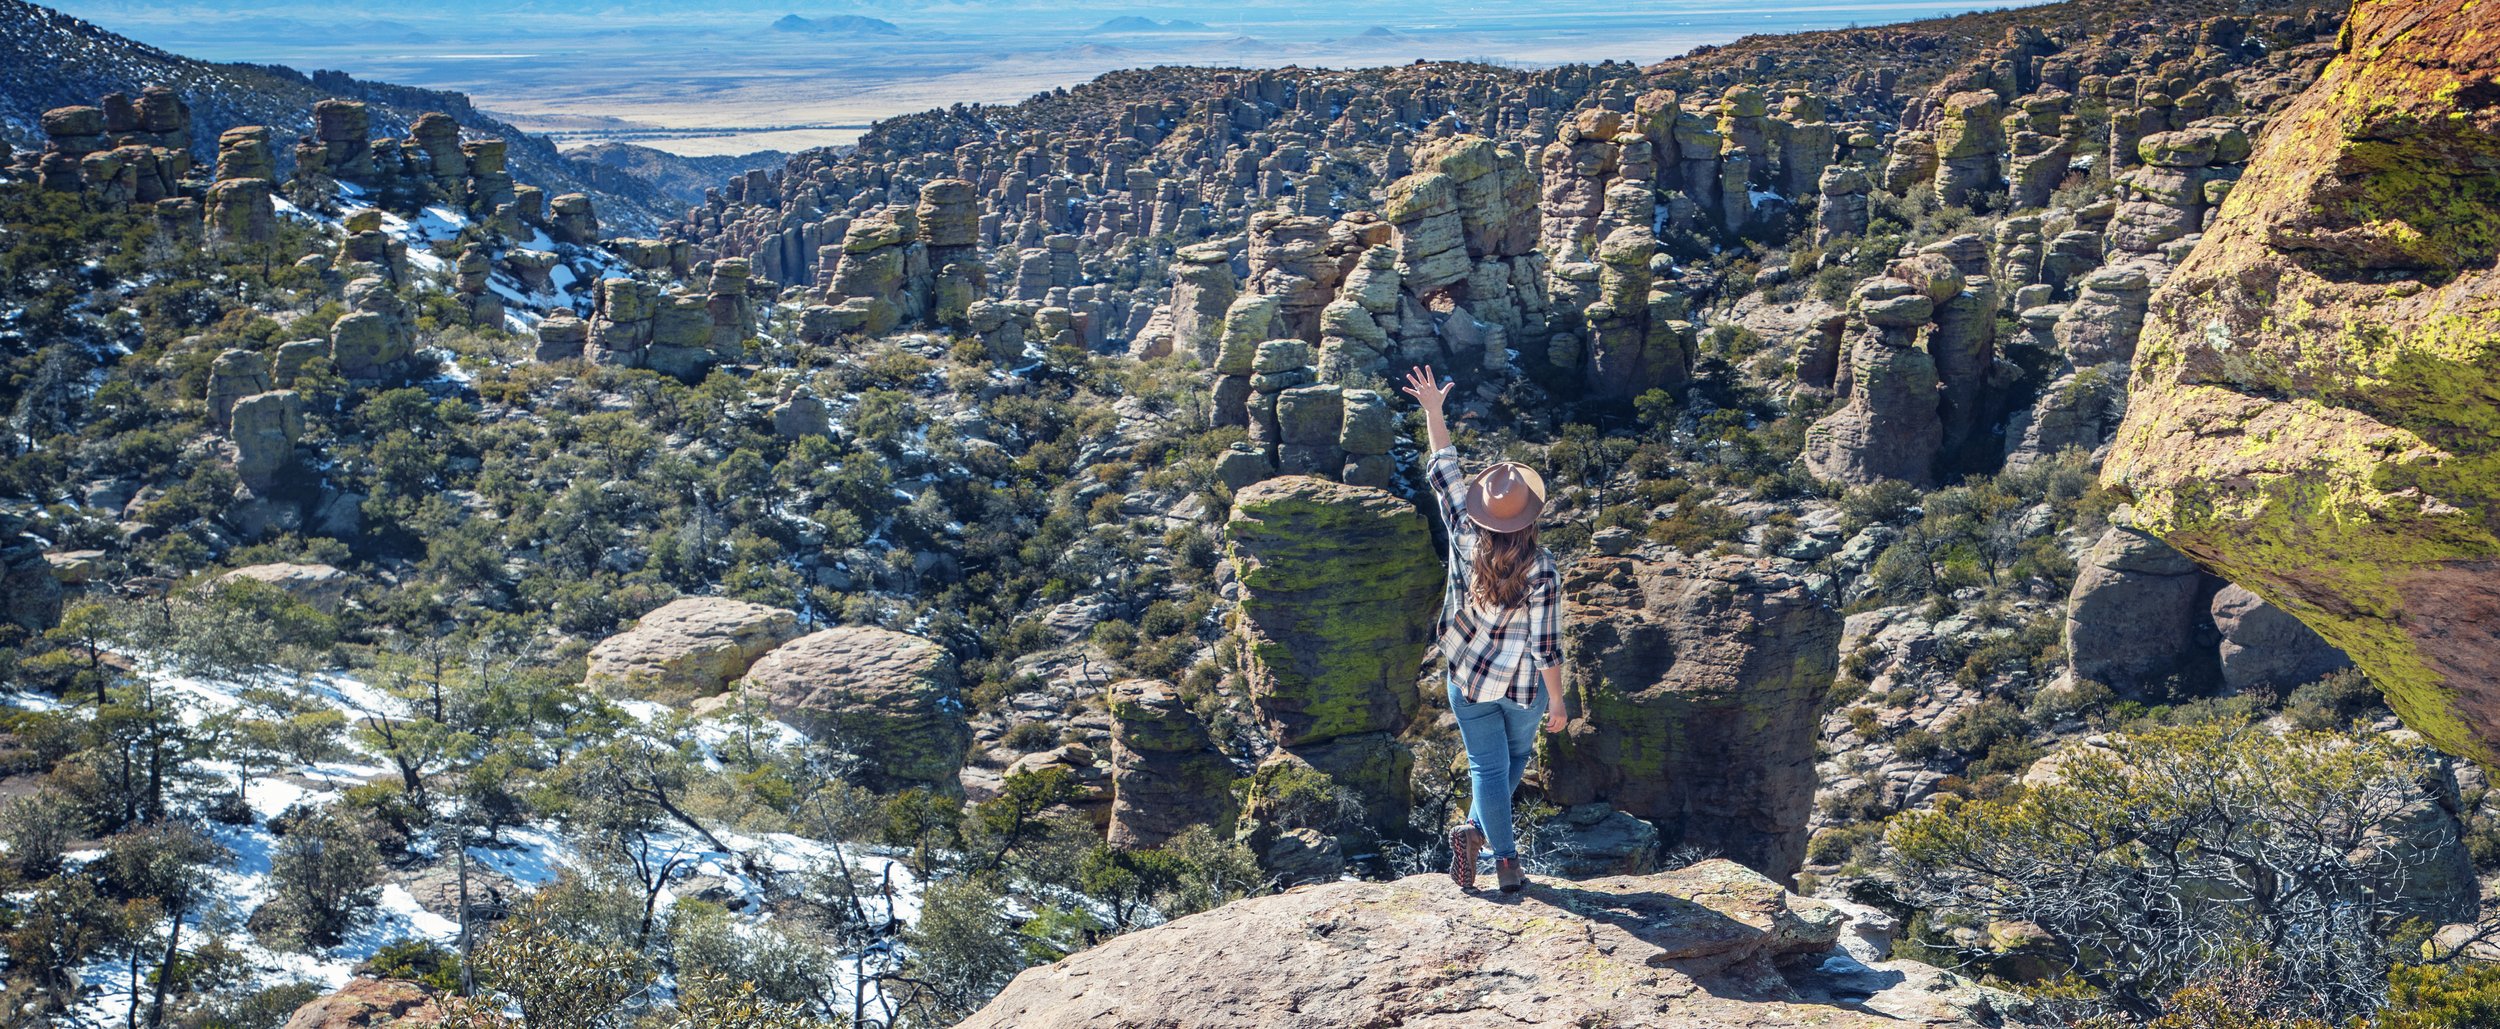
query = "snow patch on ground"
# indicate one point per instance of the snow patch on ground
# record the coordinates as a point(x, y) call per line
point(532, 856)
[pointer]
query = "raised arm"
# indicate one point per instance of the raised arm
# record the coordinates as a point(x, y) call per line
point(1441, 465)
point(1432, 395)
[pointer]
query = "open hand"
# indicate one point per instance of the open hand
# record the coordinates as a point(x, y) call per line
point(1426, 388)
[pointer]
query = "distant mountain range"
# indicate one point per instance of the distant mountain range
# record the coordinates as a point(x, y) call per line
point(838, 25)
point(1135, 23)
point(49, 59)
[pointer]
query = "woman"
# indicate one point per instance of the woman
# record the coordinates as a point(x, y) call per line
point(1500, 633)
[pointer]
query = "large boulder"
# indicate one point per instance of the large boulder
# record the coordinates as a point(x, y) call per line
point(370, 1004)
point(2262, 645)
point(1711, 945)
point(1166, 773)
point(2317, 388)
point(888, 696)
point(1699, 682)
point(320, 585)
point(2131, 618)
point(690, 647)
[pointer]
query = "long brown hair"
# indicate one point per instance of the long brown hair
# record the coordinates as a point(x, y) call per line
point(1503, 563)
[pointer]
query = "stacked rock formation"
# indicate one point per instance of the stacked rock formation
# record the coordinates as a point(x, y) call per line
point(1916, 379)
point(2313, 394)
point(1298, 426)
point(1613, 331)
point(371, 343)
point(1698, 682)
point(1338, 586)
point(1166, 773)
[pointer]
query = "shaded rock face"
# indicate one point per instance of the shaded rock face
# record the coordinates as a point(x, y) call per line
point(879, 692)
point(1714, 944)
point(1166, 773)
point(370, 1004)
point(30, 593)
point(1339, 585)
point(2132, 617)
point(2262, 645)
point(1699, 682)
point(2316, 386)
point(691, 646)
point(264, 428)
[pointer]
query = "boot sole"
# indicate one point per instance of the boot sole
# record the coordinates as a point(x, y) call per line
point(1465, 840)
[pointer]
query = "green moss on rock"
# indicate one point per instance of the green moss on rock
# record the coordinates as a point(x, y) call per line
point(2316, 408)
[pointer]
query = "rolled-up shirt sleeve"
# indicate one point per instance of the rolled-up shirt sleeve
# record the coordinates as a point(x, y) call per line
point(1545, 619)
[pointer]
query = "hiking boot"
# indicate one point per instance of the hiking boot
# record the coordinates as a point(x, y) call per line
point(1465, 841)
point(1506, 871)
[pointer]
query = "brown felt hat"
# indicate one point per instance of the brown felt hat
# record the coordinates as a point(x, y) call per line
point(1506, 497)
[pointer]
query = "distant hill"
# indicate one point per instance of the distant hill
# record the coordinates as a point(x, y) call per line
point(1135, 23)
point(838, 25)
point(49, 59)
point(683, 178)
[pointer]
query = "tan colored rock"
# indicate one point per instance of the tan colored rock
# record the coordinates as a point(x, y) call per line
point(319, 585)
point(691, 646)
point(1697, 947)
point(888, 696)
point(370, 1004)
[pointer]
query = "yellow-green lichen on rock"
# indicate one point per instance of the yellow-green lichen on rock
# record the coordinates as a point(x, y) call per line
point(2315, 413)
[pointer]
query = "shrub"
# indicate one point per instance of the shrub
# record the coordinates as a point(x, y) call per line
point(2333, 702)
point(2144, 860)
point(325, 875)
point(1028, 736)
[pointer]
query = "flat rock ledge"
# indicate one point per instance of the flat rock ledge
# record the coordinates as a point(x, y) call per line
point(1712, 945)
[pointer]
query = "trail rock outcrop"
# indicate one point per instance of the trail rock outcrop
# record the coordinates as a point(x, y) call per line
point(1710, 945)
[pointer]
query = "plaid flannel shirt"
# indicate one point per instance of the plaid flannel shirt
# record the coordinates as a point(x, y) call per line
point(1491, 653)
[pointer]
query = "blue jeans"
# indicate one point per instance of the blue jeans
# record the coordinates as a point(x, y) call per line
point(1500, 737)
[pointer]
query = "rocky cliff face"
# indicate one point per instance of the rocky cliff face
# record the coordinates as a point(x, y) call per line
point(1710, 945)
point(2315, 412)
point(1699, 682)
